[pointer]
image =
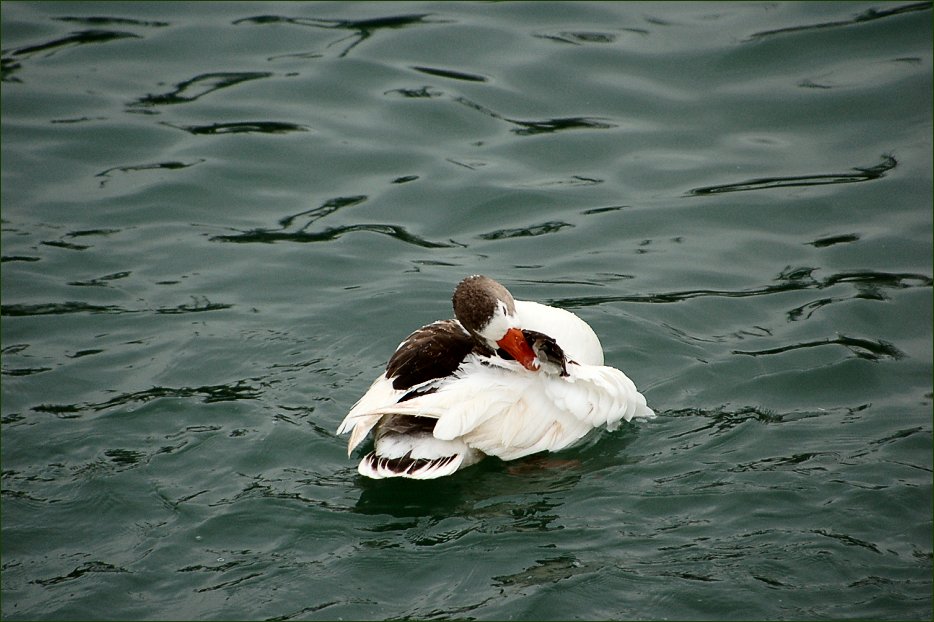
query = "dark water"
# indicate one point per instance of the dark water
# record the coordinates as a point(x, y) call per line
point(219, 219)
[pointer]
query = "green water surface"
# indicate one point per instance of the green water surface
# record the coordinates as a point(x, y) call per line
point(219, 219)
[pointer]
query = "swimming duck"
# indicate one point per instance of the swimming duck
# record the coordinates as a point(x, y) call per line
point(506, 378)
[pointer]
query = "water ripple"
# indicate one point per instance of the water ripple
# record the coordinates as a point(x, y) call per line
point(766, 183)
point(8, 67)
point(239, 390)
point(835, 239)
point(196, 306)
point(361, 29)
point(534, 127)
point(865, 16)
point(543, 572)
point(83, 37)
point(102, 20)
point(265, 236)
point(788, 462)
point(548, 126)
point(199, 86)
point(61, 308)
point(24, 371)
point(242, 127)
point(524, 232)
point(863, 348)
point(66, 245)
point(101, 281)
point(424, 92)
point(792, 279)
point(450, 74)
point(80, 571)
point(57, 308)
point(172, 166)
point(847, 540)
point(291, 232)
point(589, 37)
point(524, 127)
point(325, 209)
point(722, 420)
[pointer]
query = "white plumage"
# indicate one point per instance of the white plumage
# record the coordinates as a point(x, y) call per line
point(494, 405)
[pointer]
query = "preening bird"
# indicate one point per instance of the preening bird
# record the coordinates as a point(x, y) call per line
point(506, 378)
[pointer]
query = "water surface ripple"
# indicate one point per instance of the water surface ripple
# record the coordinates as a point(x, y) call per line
point(219, 219)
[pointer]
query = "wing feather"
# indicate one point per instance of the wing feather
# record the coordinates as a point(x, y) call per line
point(424, 358)
point(485, 404)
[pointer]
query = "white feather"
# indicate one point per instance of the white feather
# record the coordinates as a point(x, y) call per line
point(508, 412)
point(497, 407)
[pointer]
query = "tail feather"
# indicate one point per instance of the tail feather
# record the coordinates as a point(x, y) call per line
point(377, 467)
point(405, 447)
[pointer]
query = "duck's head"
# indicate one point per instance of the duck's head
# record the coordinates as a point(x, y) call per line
point(488, 312)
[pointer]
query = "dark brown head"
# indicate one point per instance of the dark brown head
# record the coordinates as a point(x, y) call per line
point(488, 312)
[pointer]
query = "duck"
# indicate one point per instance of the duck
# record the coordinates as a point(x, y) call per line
point(505, 378)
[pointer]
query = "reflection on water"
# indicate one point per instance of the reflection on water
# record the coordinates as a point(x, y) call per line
point(488, 491)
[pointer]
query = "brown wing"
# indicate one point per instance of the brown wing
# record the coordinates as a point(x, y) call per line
point(433, 351)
